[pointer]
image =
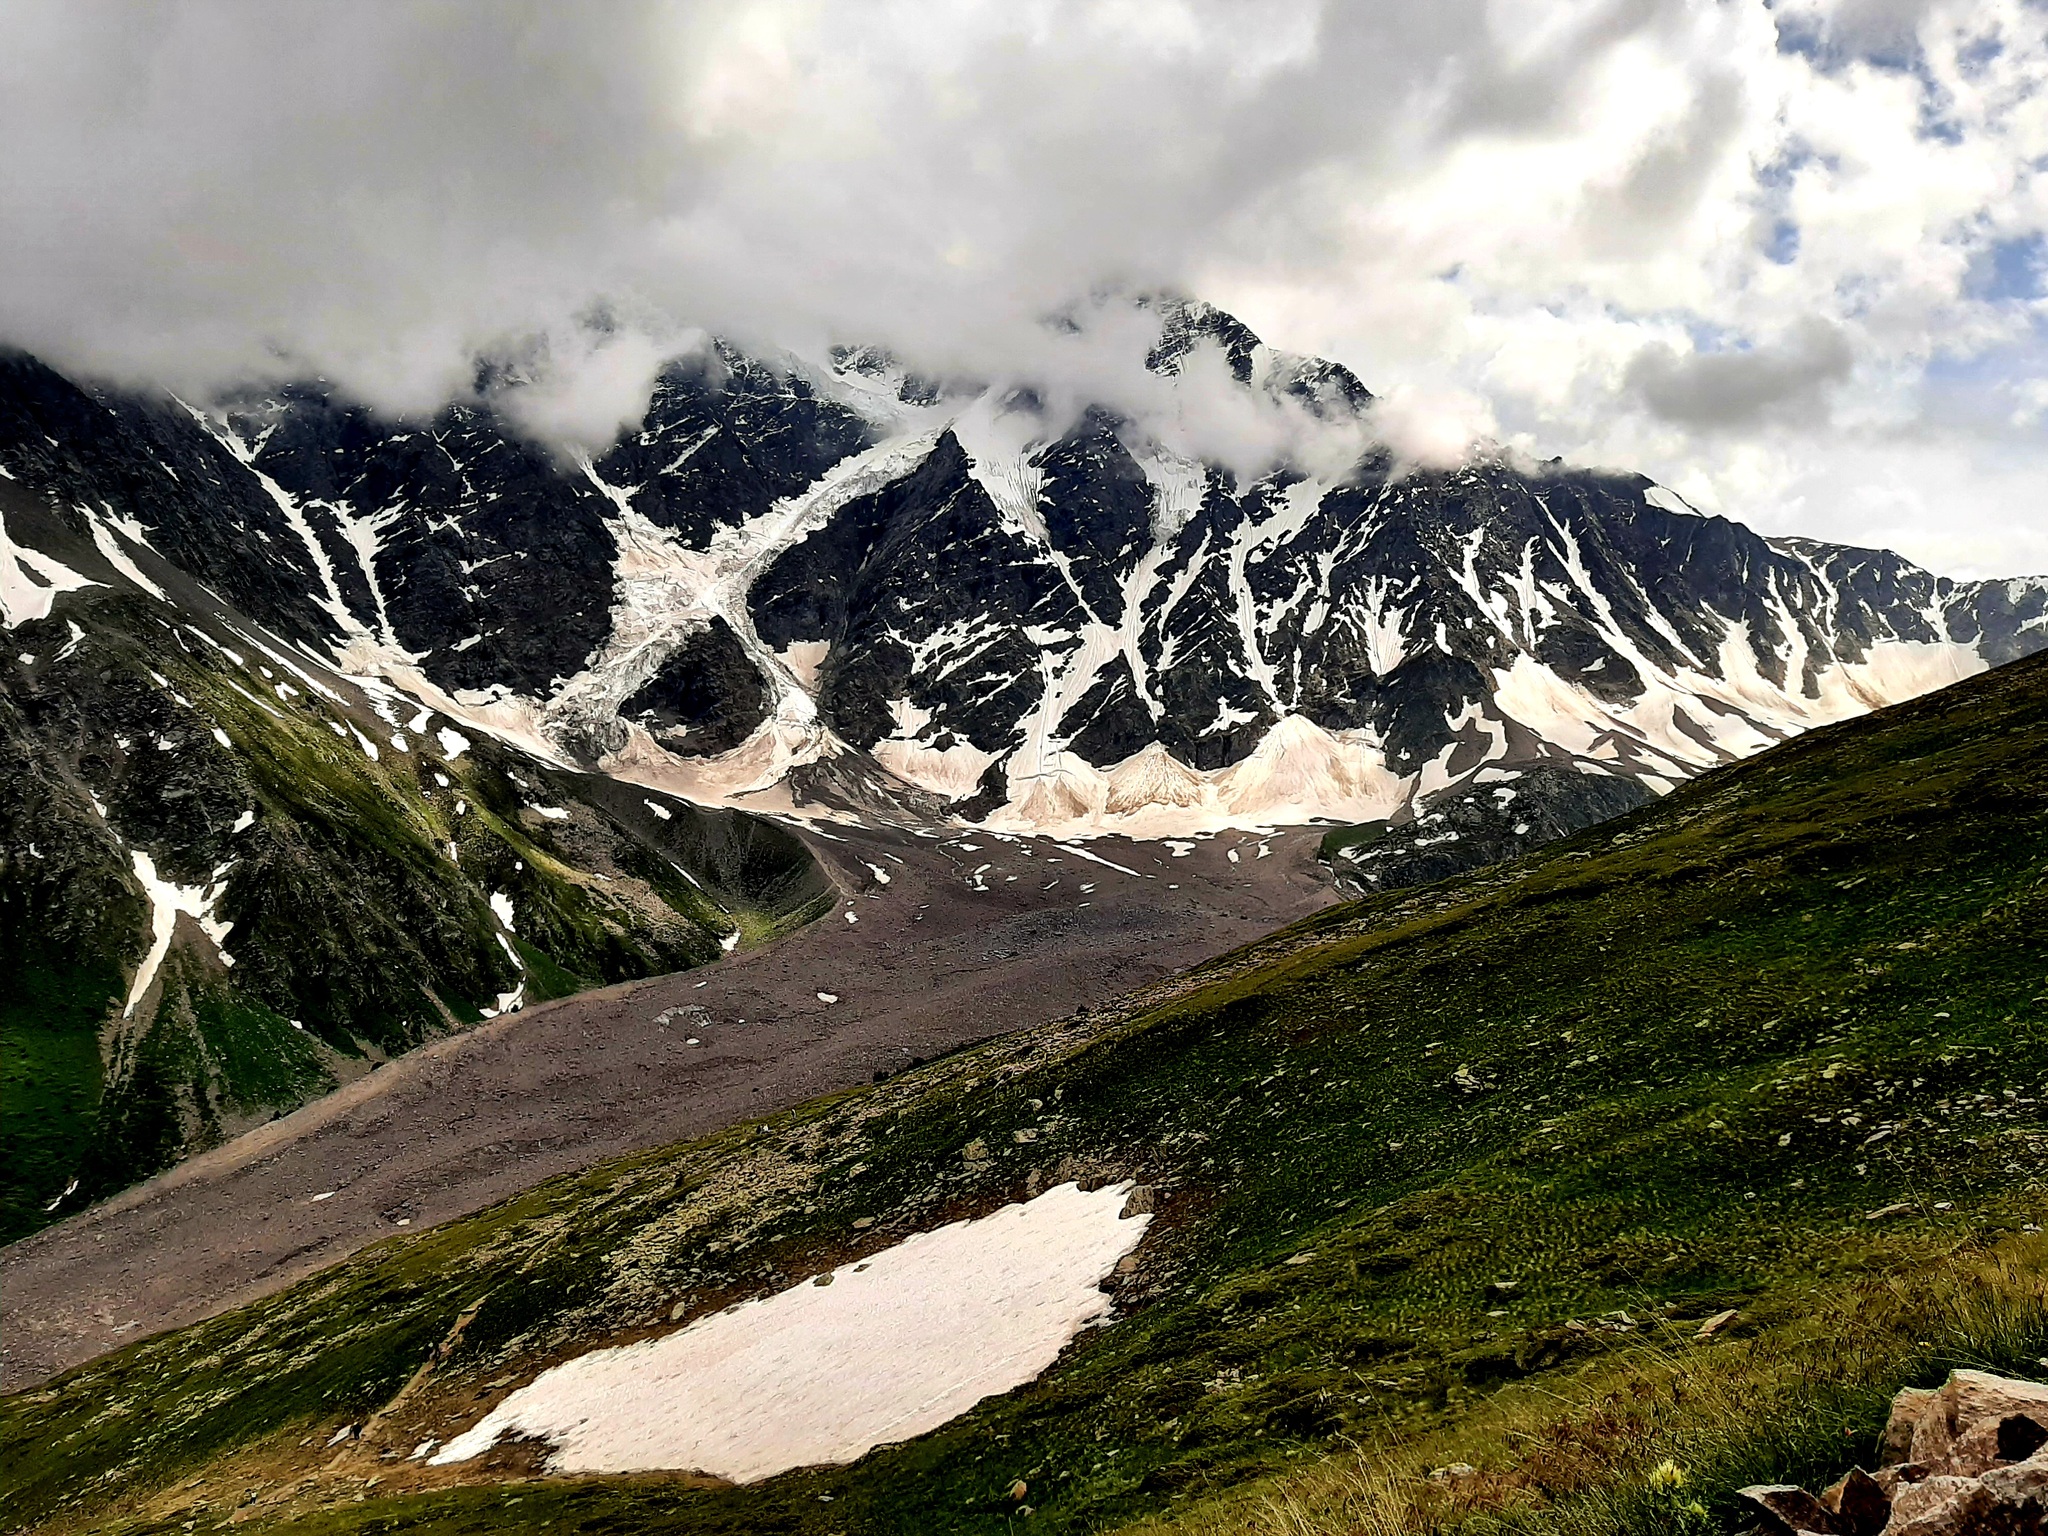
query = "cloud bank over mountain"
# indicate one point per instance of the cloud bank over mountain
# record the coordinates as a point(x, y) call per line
point(1790, 260)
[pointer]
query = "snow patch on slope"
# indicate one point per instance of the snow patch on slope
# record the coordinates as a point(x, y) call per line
point(882, 1349)
point(953, 771)
point(329, 597)
point(1152, 776)
point(1059, 783)
point(166, 901)
point(104, 527)
point(1298, 772)
point(1668, 501)
point(30, 581)
point(1686, 721)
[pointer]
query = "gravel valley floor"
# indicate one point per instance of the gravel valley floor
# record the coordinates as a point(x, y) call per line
point(968, 937)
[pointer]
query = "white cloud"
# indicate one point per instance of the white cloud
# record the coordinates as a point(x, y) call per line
point(1776, 255)
point(1777, 331)
point(2031, 405)
point(585, 385)
point(1433, 428)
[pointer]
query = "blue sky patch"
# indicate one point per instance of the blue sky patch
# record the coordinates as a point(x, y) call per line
point(2010, 270)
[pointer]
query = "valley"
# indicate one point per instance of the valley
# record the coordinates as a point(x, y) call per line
point(971, 937)
point(1575, 1192)
point(1158, 769)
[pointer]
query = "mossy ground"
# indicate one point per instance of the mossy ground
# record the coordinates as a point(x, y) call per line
point(1417, 1160)
point(50, 1015)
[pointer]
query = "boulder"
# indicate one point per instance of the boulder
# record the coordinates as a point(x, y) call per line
point(1859, 1504)
point(1959, 1506)
point(1907, 1408)
point(1997, 1438)
point(1788, 1509)
point(1937, 1506)
point(2023, 1484)
point(1889, 1479)
point(1716, 1323)
point(1962, 1430)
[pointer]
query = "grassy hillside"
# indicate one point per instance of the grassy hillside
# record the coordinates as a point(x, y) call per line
point(1450, 1175)
point(355, 844)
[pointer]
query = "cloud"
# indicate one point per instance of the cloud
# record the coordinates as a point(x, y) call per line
point(583, 387)
point(1859, 27)
point(1510, 217)
point(1432, 428)
point(1784, 384)
point(206, 193)
point(1671, 173)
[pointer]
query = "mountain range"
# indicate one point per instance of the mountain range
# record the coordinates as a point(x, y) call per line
point(841, 586)
point(326, 731)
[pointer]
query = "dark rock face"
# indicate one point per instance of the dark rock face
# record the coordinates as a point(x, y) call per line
point(1392, 604)
point(461, 539)
point(923, 596)
point(725, 438)
point(1188, 324)
point(1481, 824)
point(1098, 511)
point(1477, 566)
point(450, 537)
point(706, 697)
point(1198, 662)
point(94, 456)
point(1110, 721)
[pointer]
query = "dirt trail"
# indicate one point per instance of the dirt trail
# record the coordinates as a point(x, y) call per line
point(945, 952)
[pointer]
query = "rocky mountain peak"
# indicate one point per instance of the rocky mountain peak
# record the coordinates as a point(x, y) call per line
point(1009, 616)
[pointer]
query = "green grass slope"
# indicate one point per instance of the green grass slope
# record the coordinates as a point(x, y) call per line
point(1449, 1174)
point(356, 849)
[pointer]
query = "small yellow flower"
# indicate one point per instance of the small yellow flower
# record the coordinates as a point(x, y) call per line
point(1667, 1475)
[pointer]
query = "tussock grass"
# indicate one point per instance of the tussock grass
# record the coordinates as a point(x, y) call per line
point(1655, 1440)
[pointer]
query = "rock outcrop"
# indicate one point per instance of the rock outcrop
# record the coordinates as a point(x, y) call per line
point(1967, 1459)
